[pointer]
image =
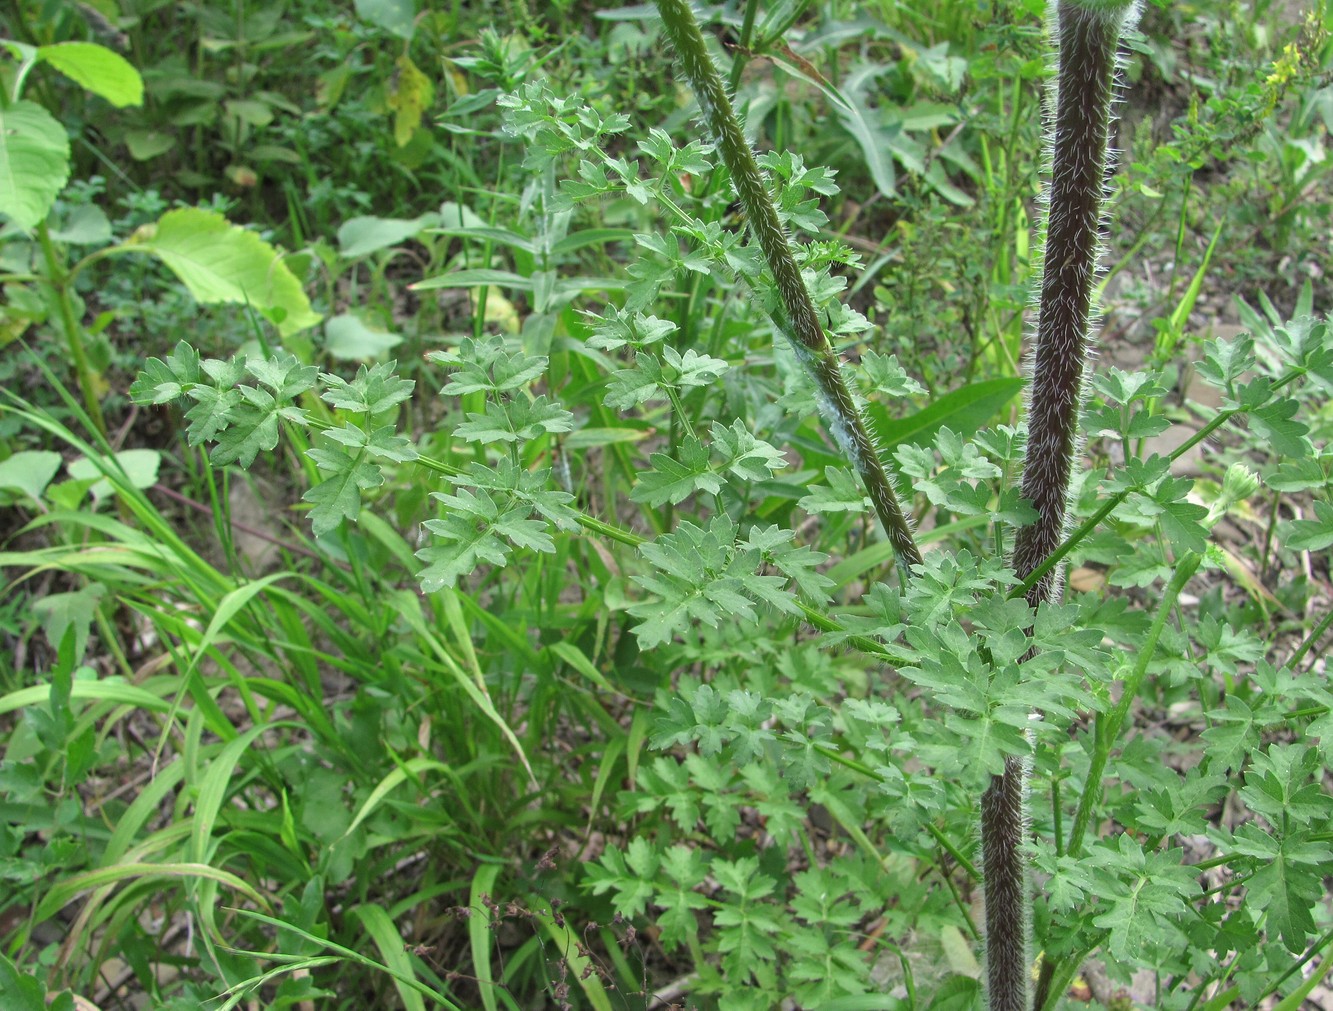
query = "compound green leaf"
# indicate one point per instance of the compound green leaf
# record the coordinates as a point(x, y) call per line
point(338, 496)
point(1311, 535)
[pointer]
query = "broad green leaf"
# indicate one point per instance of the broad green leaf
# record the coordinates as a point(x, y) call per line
point(145, 145)
point(350, 338)
point(30, 471)
point(480, 278)
point(250, 111)
point(85, 226)
point(589, 438)
point(59, 612)
point(34, 162)
point(395, 16)
point(219, 262)
point(140, 467)
point(103, 72)
point(498, 236)
point(862, 122)
point(964, 410)
point(958, 952)
point(22, 991)
point(359, 236)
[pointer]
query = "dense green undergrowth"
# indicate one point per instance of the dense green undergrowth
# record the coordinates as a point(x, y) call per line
point(433, 580)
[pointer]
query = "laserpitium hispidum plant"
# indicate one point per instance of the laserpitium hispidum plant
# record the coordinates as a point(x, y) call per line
point(986, 643)
point(1087, 33)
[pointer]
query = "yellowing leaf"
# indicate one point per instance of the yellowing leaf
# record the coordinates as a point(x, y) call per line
point(409, 96)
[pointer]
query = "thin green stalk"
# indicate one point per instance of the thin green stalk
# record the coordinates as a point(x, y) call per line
point(1056, 975)
point(1324, 941)
point(1310, 640)
point(801, 323)
point(59, 280)
point(742, 54)
point(1109, 723)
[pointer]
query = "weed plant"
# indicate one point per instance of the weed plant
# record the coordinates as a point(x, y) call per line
point(691, 646)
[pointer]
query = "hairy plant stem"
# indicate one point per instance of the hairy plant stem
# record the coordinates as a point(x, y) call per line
point(801, 324)
point(1087, 33)
point(1051, 561)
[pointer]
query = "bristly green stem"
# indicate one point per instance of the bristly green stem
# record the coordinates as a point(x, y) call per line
point(801, 324)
